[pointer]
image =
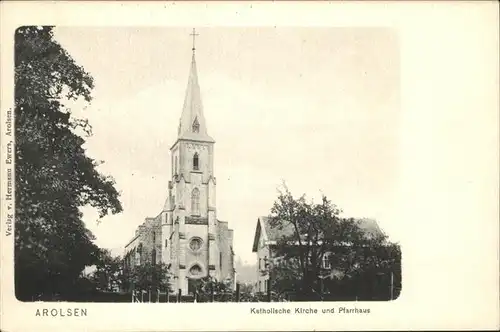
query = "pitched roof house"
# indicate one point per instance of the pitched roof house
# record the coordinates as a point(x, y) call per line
point(266, 236)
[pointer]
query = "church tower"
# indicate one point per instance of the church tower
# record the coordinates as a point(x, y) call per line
point(195, 243)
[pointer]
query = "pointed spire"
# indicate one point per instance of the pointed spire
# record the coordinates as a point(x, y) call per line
point(192, 123)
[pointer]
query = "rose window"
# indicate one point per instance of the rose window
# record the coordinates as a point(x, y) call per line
point(195, 244)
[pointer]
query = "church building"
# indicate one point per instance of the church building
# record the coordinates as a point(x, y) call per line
point(186, 234)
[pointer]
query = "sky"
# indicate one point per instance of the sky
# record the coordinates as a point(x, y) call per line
point(315, 108)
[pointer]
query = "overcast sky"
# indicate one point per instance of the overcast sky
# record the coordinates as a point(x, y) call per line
point(317, 108)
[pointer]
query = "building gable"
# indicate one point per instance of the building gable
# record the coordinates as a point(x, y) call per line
point(260, 234)
point(269, 233)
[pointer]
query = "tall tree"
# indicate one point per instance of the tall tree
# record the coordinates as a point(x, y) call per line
point(54, 176)
point(309, 231)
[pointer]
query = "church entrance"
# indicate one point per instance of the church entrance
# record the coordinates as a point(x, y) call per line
point(193, 286)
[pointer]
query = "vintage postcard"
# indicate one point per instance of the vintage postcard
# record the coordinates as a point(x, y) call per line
point(249, 166)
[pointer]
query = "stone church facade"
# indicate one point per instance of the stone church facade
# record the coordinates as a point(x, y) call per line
point(186, 234)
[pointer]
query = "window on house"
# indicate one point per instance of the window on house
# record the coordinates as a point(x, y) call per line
point(195, 202)
point(196, 161)
point(260, 286)
point(166, 243)
point(153, 257)
point(154, 237)
point(266, 285)
point(326, 262)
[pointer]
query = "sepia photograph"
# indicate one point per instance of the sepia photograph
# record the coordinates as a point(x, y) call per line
point(151, 167)
point(228, 166)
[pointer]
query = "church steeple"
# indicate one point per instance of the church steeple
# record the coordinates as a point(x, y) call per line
point(192, 123)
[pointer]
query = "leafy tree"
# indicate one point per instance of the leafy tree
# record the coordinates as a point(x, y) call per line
point(310, 231)
point(209, 288)
point(285, 276)
point(108, 273)
point(147, 276)
point(54, 176)
point(377, 275)
point(246, 287)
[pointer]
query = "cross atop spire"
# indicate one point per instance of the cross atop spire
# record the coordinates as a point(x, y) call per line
point(192, 124)
point(194, 34)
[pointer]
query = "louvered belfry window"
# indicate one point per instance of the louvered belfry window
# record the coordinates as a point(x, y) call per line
point(196, 126)
point(196, 162)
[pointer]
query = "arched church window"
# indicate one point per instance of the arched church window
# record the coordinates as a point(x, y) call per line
point(195, 244)
point(138, 255)
point(175, 166)
point(195, 202)
point(196, 161)
point(195, 270)
point(196, 125)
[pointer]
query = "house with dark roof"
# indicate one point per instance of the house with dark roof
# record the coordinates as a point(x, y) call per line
point(266, 237)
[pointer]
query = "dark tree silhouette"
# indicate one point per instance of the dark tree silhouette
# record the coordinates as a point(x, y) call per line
point(108, 272)
point(146, 277)
point(309, 231)
point(53, 175)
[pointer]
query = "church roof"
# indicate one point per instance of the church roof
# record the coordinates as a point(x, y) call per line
point(192, 124)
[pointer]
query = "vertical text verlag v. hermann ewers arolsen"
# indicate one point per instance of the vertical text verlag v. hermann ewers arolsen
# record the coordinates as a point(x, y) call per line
point(10, 177)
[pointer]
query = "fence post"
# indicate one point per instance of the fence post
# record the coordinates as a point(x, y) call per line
point(180, 296)
point(237, 292)
point(392, 286)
